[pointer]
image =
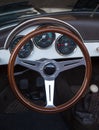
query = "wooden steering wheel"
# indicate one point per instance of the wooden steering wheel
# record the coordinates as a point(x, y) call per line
point(43, 66)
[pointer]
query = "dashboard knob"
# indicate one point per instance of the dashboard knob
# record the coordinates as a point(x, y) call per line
point(97, 49)
point(94, 88)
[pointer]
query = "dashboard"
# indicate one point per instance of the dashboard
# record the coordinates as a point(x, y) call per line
point(44, 46)
point(47, 44)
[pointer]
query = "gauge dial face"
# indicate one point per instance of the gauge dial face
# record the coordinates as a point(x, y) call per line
point(65, 45)
point(25, 50)
point(44, 40)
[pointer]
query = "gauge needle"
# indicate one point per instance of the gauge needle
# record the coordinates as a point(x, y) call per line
point(43, 37)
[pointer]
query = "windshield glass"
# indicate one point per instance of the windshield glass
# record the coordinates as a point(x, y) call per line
point(19, 10)
point(49, 6)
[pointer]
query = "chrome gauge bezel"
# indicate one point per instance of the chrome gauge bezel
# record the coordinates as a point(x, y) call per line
point(58, 49)
point(21, 36)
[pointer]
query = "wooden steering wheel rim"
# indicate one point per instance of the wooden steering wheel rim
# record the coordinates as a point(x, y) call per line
point(80, 92)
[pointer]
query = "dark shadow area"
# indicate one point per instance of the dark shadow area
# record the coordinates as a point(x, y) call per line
point(32, 121)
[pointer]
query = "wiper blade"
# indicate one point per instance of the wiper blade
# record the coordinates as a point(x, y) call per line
point(92, 14)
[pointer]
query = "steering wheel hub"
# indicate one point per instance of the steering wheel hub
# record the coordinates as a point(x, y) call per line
point(49, 69)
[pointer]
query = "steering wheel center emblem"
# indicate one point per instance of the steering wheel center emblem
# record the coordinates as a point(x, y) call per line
point(49, 69)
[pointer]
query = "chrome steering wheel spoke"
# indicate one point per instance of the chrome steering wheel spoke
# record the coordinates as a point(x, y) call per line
point(49, 90)
point(32, 65)
point(70, 64)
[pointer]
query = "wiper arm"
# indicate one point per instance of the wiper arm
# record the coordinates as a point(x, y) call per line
point(41, 11)
point(92, 14)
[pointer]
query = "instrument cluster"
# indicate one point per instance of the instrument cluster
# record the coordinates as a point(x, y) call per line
point(63, 44)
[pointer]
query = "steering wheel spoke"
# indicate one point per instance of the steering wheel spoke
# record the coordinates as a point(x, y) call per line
point(32, 65)
point(49, 90)
point(70, 64)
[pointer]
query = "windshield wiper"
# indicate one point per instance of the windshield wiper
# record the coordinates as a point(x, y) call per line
point(94, 11)
point(41, 11)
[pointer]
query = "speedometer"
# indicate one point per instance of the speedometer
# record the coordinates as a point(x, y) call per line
point(25, 50)
point(44, 40)
point(65, 45)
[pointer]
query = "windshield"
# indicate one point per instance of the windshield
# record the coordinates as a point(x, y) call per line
point(50, 6)
point(19, 10)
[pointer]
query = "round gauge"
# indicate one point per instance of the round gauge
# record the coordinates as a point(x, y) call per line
point(44, 40)
point(65, 45)
point(25, 50)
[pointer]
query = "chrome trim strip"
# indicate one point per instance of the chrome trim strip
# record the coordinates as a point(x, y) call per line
point(49, 89)
point(18, 11)
point(9, 26)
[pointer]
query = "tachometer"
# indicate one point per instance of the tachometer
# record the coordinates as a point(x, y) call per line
point(25, 50)
point(44, 40)
point(65, 45)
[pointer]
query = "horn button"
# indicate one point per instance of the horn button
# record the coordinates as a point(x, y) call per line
point(49, 69)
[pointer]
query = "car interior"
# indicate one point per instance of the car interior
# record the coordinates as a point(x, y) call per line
point(49, 65)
